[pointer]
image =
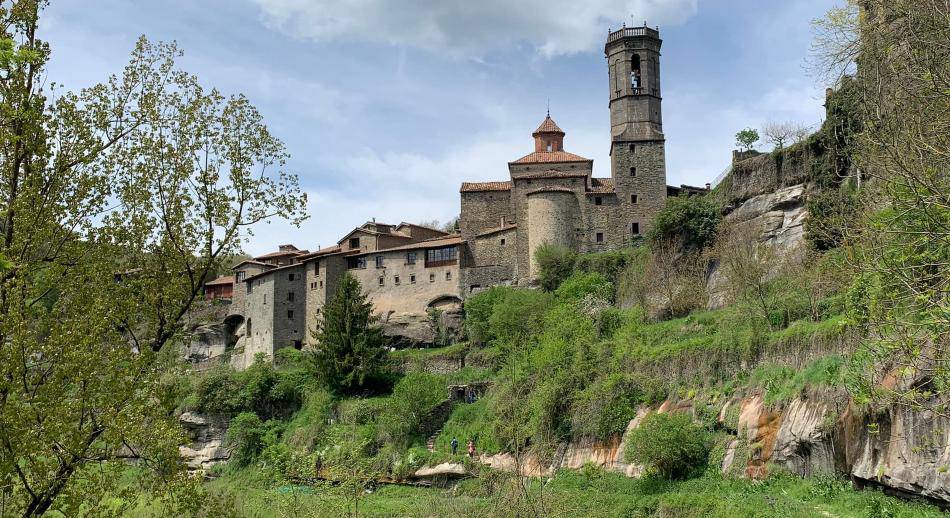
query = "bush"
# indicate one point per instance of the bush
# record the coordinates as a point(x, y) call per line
point(478, 311)
point(689, 220)
point(581, 285)
point(405, 412)
point(555, 265)
point(246, 436)
point(669, 444)
point(518, 315)
point(605, 407)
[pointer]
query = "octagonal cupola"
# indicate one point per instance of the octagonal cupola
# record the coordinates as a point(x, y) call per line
point(548, 137)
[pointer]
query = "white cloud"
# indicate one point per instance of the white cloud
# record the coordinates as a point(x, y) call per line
point(466, 27)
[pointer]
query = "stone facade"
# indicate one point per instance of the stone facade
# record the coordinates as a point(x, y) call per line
point(552, 196)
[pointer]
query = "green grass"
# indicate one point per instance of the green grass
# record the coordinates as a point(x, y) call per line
point(433, 353)
point(586, 492)
point(469, 421)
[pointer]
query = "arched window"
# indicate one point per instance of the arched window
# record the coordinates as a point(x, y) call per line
point(635, 82)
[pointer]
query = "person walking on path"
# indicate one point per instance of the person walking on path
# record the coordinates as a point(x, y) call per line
point(471, 448)
point(455, 445)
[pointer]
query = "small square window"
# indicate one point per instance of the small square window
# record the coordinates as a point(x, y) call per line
point(396, 280)
point(316, 267)
point(600, 237)
point(633, 148)
point(412, 279)
point(633, 199)
point(448, 276)
point(290, 296)
point(431, 277)
point(321, 284)
point(290, 314)
point(313, 285)
point(635, 228)
point(410, 258)
point(380, 262)
point(354, 242)
point(598, 200)
point(633, 171)
point(381, 281)
point(502, 241)
point(240, 276)
point(291, 276)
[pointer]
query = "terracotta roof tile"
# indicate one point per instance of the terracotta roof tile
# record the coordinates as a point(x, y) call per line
point(550, 157)
point(552, 173)
point(601, 186)
point(490, 231)
point(548, 126)
point(453, 239)
point(549, 189)
point(485, 186)
point(223, 280)
point(285, 253)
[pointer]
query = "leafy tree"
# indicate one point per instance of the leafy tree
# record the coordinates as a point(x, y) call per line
point(350, 346)
point(747, 138)
point(478, 311)
point(555, 264)
point(581, 285)
point(414, 397)
point(116, 202)
point(246, 436)
point(670, 444)
point(691, 220)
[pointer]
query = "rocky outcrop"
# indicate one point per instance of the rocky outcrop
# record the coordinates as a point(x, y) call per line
point(422, 330)
point(206, 442)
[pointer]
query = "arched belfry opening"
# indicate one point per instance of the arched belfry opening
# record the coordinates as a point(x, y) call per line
point(635, 77)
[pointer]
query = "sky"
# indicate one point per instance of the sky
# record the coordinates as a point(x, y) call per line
point(387, 106)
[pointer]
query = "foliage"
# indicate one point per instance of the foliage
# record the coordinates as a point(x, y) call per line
point(747, 138)
point(605, 407)
point(470, 421)
point(555, 264)
point(478, 310)
point(117, 202)
point(581, 285)
point(245, 435)
point(412, 401)
point(260, 389)
point(690, 220)
point(670, 444)
point(350, 347)
point(610, 264)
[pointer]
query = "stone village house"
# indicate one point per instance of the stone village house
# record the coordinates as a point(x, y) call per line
point(550, 197)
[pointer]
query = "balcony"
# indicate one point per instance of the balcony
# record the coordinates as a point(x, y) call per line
point(632, 32)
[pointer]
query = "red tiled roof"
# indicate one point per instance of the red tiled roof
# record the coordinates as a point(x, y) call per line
point(223, 280)
point(550, 157)
point(601, 186)
point(273, 270)
point(548, 126)
point(506, 226)
point(549, 189)
point(485, 186)
point(552, 173)
point(453, 239)
point(321, 252)
point(284, 253)
point(251, 261)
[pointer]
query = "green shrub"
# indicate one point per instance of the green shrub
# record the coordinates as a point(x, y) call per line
point(669, 444)
point(246, 437)
point(220, 392)
point(690, 220)
point(609, 264)
point(518, 314)
point(555, 265)
point(478, 311)
point(580, 285)
point(405, 412)
point(604, 408)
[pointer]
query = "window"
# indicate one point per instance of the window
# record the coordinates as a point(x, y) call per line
point(635, 228)
point(633, 148)
point(354, 242)
point(448, 275)
point(633, 199)
point(290, 276)
point(290, 314)
point(316, 267)
point(412, 279)
point(410, 258)
point(313, 285)
point(635, 82)
point(290, 296)
point(431, 277)
point(240, 276)
point(600, 237)
point(321, 284)
point(381, 281)
point(633, 171)
point(248, 326)
point(265, 298)
point(441, 256)
point(502, 241)
point(549, 147)
point(380, 262)
point(298, 344)
point(396, 280)
point(598, 200)
point(356, 262)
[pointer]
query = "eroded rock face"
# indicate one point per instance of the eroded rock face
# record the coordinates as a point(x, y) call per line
point(206, 447)
point(418, 330)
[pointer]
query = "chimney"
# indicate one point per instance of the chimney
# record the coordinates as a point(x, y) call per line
point(708, 186)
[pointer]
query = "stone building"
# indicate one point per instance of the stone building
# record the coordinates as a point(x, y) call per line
point(551, 196)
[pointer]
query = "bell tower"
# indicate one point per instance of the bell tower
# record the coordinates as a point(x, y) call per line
point(637, 147)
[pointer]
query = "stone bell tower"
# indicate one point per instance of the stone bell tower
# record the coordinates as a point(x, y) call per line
point(637, 147)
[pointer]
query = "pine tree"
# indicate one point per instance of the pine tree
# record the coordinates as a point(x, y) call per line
point(350, 345)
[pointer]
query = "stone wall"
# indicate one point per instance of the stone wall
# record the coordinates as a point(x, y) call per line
point(417, 286)
point(551, 220)
point(483, 210)
point(322, 278)
point(648, 184)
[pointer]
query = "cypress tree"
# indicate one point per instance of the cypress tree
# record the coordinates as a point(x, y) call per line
point(350, 346)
